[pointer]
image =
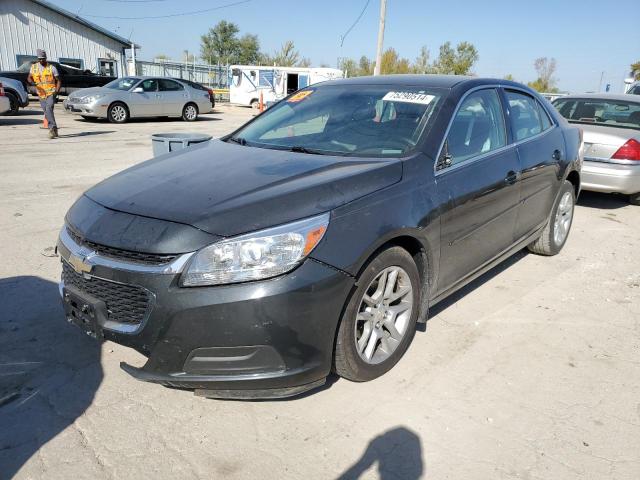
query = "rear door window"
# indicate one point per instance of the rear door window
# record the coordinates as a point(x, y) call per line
point(477, 128)
point(524, 115)
point(169, 86)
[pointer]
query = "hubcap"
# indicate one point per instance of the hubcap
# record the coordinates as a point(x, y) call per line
point(383, 315)
point(562, 222)
point(190, 112)
point(118, 113)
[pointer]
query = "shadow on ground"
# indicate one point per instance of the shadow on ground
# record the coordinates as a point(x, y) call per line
point(86, 134)
point(604, 201)
point(397, 453)
point(49, 370)
point(202, 118)
point(15, 121)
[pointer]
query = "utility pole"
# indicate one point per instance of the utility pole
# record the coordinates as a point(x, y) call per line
point(600, 84)
point(383, 14)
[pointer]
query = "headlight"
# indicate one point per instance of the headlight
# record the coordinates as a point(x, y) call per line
point(92, 98)
point(263, 254)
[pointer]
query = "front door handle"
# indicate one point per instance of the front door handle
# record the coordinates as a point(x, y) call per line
point(556, 155)
point(511, 178)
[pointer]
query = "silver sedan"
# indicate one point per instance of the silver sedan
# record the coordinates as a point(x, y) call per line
point(611, 126)
point(132, 97)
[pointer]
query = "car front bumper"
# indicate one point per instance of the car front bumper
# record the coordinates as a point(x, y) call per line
point(610, 177)
point(94, 109)
point(263, 339)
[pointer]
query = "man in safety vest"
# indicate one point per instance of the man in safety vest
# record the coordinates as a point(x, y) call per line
point(47, 81)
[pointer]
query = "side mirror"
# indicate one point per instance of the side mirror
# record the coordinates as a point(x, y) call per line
point(137, 90)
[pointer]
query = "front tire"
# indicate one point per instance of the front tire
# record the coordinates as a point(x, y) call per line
point(634, 198)
point(555, 234)
point(190, 112)
point(118, 113)
point(14, 105)
point(379, 321)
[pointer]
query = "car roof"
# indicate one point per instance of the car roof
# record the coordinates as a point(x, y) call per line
point(433, 81)
point(603, 96)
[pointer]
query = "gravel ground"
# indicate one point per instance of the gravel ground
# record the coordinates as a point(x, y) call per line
point(530, 372)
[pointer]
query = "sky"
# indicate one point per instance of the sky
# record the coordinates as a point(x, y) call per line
point(589, 39)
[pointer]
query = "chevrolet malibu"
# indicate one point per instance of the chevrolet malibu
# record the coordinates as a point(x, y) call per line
point(316, 236)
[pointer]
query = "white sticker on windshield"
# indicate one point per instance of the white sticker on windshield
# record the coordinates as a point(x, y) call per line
point(409, 97)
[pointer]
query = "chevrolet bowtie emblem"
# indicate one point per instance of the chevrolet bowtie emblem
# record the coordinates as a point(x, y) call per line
point(79, 264)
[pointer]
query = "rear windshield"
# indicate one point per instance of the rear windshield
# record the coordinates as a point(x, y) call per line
point(123, 83)
point(350, 120)
point(612, 113)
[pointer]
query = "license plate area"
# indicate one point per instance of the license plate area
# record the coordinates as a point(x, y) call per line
point(85, 311)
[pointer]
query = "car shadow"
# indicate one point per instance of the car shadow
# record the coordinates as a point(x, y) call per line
point(397, 453)
point(603, 201)
point(16, 120)
point(49, 370)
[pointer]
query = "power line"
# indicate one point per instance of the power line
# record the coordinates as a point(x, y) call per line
point(354, 23)
point(182, 14)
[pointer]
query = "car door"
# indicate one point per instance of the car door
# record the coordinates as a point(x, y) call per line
point(540, 146)
point(146, 103)
point(174, 96)
point(477, 182)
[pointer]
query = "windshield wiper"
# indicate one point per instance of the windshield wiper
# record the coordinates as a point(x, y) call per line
point(301, 149)
point(238, 140)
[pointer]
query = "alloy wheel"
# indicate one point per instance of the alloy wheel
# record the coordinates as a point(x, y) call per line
point(118, 113)
point(190, 112)
point(383, 315)
point(562, 222)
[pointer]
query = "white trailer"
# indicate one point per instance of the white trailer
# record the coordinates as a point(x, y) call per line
point(247, 82)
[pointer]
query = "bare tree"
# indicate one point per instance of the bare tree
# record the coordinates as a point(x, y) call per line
point(545, 68)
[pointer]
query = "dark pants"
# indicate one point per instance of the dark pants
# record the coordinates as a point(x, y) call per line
point(47, 105)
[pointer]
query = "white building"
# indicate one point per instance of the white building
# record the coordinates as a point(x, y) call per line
point(27, 25)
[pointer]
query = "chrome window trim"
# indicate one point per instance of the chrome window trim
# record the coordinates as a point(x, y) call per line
point(93, 258)
point(612, 161)
point(486, 154)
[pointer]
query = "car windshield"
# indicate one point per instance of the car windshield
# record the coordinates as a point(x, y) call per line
point(352, 120)
point(123, 83)
point(608, 112)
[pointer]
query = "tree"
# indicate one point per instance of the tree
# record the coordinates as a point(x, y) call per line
point(508, 76)
point(635, 70)
point(220, 44)
point(161, 57)
point(392, 63)
point(188, 57)
point(422, 61)
point(455, 62)
point(365, 66)
point(545, 69)
point(349, 67)
point(304, 63)
point(287, 56)
point(248, 50)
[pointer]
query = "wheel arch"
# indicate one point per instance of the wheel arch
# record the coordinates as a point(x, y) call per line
point(574, 178)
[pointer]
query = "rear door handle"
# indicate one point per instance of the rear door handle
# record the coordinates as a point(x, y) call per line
point(556, 155)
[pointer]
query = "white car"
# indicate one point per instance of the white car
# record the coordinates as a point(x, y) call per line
point(5, 104)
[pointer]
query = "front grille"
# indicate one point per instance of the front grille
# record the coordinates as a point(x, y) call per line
point(123, 255)
point(125, 303)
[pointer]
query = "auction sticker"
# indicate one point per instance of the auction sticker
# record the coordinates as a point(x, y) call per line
point(298, 97)
point(409, 97)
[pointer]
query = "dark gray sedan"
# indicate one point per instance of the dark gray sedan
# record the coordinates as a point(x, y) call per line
point(133, 97)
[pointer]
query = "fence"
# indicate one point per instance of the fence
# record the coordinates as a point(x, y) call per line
point(213, 76)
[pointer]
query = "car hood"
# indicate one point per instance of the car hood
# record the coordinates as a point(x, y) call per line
point(227, 189)
point(85, 92)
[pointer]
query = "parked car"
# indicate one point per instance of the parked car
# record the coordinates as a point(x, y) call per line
point(317, 235)
point(134, 97)
point(5, 105)
point(15, 93)
point(611, 125)
point(198, 86)
point(71, 78)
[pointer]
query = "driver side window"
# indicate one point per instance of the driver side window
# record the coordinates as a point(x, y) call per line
point(477, 128)
point(149, 85)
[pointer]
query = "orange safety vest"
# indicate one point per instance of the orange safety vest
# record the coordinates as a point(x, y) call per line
point(44, 79)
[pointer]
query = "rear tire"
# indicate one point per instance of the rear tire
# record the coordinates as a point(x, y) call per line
point(255, 104)
point(555, 234)
point(118, 113)
point(634, 198)
point(378, 325)
point(190, 112)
